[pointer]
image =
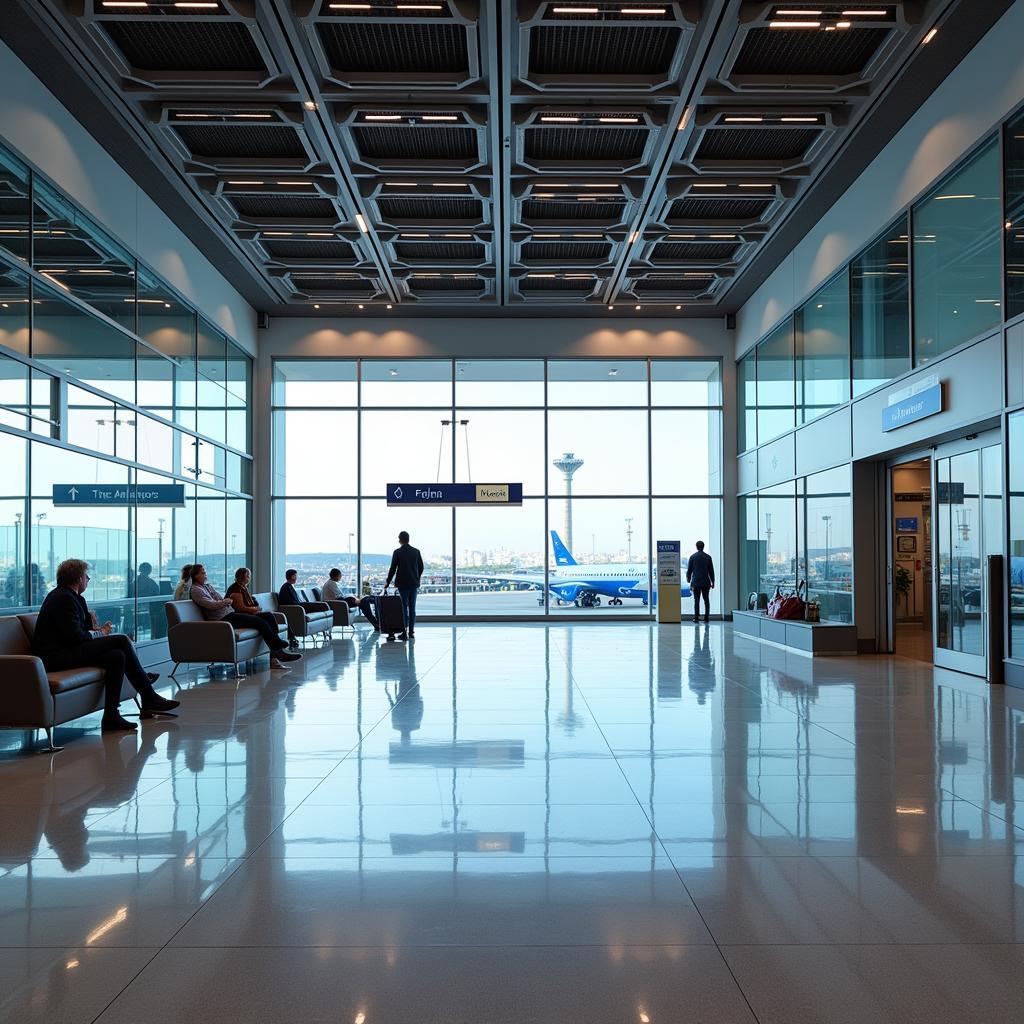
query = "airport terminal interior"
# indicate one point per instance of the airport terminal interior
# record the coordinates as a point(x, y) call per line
point(574, 295)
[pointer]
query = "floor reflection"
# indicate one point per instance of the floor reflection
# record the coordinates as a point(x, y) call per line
point(628, 794)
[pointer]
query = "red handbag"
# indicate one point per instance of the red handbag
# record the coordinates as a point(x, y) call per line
point(787, 606)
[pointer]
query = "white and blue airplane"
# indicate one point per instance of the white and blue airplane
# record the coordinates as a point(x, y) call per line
point(584, 585)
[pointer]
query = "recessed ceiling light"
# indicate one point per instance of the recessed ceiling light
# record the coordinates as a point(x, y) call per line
point(611, 307)
point(799, 14)
point(197, 3)
point(349, 7)
point(418, 7)
point(641, 10)
point(316, 305)
point(634, 237)
point(559, 120)
point(843, 24)
point(799, 120)
point(361, 221)
point(865, 14)
point(382, 117)
point(237, 182)
point(679, 307)
point(125, 3)
point(684, 120)
point(440, 117)
point(637, 308)
point(309, 104)
point(931, 35)
point(794, 24)
point(574, 10)
point(360, 305)
point(710, 184)
point(618, 120)
point(745, 119)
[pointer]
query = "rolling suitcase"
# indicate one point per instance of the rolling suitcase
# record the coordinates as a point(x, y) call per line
point(391, 614)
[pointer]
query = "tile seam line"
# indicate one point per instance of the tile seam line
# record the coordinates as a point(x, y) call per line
point(643, 810)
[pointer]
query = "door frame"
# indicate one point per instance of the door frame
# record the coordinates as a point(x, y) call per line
point(958, 661)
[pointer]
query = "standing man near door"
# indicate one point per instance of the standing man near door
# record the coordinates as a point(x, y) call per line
point(406, 570)
point(700, 574)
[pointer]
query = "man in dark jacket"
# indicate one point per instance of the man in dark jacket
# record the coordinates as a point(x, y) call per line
point(289, 595)
point(406, 570)
point(67, 636)
point(700, 574)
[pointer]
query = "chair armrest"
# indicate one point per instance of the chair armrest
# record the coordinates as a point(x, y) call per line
point(25, 697)
point(295, 616)
point(316, 606)
point(342, 607)
point(201, 641)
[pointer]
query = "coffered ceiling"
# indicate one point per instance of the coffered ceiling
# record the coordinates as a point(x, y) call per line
point(550, 156)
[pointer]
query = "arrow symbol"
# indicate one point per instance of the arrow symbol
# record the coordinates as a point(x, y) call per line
point(398, 493)
point(73, 491)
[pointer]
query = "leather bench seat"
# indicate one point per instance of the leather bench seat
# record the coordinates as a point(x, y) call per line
point(72, 678)
point(245, 634)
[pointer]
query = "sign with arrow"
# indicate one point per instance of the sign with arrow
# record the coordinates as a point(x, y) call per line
point(114, 495)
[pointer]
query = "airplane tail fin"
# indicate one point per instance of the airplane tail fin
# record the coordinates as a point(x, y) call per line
point(563, 556)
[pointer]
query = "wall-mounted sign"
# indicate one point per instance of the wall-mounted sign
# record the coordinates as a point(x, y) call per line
point(906, 544)
point(454, 494)
point(106, 495)
point(907, 524)
point(918, 402)
point(911, 497)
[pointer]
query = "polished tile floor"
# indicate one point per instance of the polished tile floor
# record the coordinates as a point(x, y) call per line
point(569, 823)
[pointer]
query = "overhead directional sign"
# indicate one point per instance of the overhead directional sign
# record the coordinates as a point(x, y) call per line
point(405, 495)
point(110, 495)
point(909, 405)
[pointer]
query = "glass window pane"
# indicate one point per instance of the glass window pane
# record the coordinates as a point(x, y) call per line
point(880, 310)
point(746, 390)
point(430, 530)
point(14, 398)
point(154, 581)
point(958, 505)
point(304, 466)
point(71, 341)
point(313, 537)
point(686, 451)
point(73, 251)
point(597, 382)
point(777, 531)
point(90, 421)
point(1015, 437)
point(776, 398)
point(823, 350)
point(13, 520)
point(211, 463)
point(329, 382)
point(211, 352)
point(685, 382)
point(1013, 147)
point(239, 371)
point(499, 382)
point(829, 555)
point(407, 382)
point(500, 447)
point(594, 458)
point(13, 303)
point(211, 542)
point(500, 560)
point(14, 201)
point(238, 515)
point(211, 400)
point(423, 454)
point(689, 520)
point(99, 535)
point(751, 552)
point(957, 237)
point(155, 444)
point(601, 557)
point(183, 536)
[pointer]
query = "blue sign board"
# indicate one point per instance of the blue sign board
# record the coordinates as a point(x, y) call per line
point(406, 495)
point(123, 495)
point(907, 525)
point(668, 546)
point(913, 408)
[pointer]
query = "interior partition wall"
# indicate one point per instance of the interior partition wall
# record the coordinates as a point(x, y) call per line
point(612, 455)
point(108, 376)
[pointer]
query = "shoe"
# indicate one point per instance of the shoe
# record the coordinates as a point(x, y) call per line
point(403, 635)
point(293, 645)
point(279, 666)
point(152, 676)
point(155, 702)
point(706, 621)
point(412, 635)
point(113, 722)
point(696, 620)
point(287, 656)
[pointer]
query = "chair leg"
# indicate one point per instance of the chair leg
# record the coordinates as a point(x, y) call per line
point(50, 748)
point(177, 665)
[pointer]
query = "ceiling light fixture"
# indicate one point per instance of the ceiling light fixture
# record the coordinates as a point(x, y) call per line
point(684, 120)
point(360, 305)
point(295, 184)
point(843, 24)
point(611, 307)
point(440, 117)
point(389, 305)
point(236, 182)
point(618, 120)
point(940, 198)
point(756, 185)
point(799, 14)
point(799, 120)
point(418, 7)
point(641, 10)
point(928, 38)
point(400, 184)
point(865, 14)
point(252, 117)
point(574, 10)
point(744, 119)
point(361, 221)
point(125, 3)
point(309, 104)
point(794, 24)
point(382, 117)
point(710, 184)
point(633, 237)
point(349, 7)
point(553, 119)
point(637, 308)
point(197, 3)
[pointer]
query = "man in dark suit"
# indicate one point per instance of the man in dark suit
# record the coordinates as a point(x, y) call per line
point(700, 574)
point(406, 570)
point(68, 636)
point(289, 595)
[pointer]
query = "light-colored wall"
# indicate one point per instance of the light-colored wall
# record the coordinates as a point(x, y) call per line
point(972, 100)
point(497, 339)
point(35, 123)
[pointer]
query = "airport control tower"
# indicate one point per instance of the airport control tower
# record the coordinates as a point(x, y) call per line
point(568, 464)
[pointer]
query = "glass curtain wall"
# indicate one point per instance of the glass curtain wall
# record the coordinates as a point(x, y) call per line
point(1015, 444)
point(607, 452)
point(823, 350)
point(1013, 156)
point(113, 380)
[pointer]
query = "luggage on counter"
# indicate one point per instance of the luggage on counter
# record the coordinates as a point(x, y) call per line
point(391, 614)
point(788, 606)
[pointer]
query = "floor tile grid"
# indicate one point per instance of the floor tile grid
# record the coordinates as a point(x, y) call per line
point(238, 864)
point(720, 952)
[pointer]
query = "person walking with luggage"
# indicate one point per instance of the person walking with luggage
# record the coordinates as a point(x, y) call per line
point(406, 570)
point(700, 574)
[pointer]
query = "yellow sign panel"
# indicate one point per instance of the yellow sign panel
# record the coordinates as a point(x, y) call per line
point(492, 492)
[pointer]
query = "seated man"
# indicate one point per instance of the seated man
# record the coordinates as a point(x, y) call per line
point(332, 592)
point(67, 636)
point(289, 595)
point(217, 609)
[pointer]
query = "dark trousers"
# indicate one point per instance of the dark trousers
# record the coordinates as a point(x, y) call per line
point(115, 655)
point(408, 596)
point(264, 622)
point(367, 605)
point(700, 591)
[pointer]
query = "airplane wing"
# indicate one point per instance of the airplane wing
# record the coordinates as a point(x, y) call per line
point(533, 579)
